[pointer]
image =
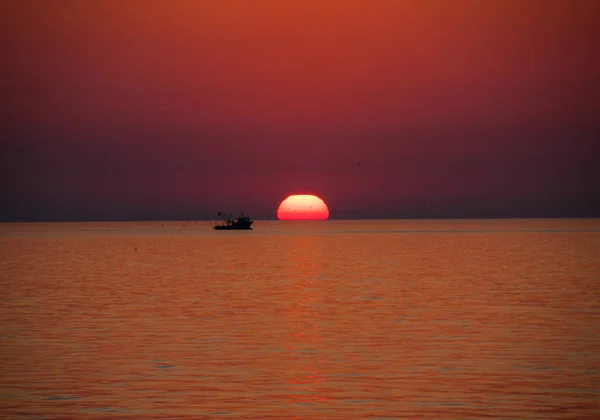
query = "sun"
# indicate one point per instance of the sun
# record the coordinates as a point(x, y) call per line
point(303, 207)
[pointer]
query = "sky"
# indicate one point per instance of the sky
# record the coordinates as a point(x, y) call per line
point(156, 110)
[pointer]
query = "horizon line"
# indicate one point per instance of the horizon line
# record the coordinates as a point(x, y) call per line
point(278, 220)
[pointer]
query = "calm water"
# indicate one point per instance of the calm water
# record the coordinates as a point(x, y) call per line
point(339, 319)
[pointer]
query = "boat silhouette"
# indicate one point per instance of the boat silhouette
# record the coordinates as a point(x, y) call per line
point(227, 222)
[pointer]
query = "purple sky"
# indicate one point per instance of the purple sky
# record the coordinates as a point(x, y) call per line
point(179, 109)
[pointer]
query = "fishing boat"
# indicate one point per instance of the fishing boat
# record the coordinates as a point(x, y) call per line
point(227, 222)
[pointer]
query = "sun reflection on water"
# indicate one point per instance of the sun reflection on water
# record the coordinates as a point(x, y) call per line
point(306, 377)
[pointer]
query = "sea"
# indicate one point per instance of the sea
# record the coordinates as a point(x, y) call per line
point(338, 319)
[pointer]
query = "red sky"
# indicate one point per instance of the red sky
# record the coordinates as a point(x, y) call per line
point(177, 109)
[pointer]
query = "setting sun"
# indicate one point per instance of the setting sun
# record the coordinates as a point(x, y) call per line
point(303, 207)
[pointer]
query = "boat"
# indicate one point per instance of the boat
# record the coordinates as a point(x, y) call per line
point(227, 222)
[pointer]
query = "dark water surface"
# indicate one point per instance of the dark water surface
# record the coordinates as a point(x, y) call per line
point(339, 319)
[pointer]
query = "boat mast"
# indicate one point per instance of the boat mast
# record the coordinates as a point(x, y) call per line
point(226, 218)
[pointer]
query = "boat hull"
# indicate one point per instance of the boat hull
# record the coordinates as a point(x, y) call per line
point(231, 228)
point(241, 223)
